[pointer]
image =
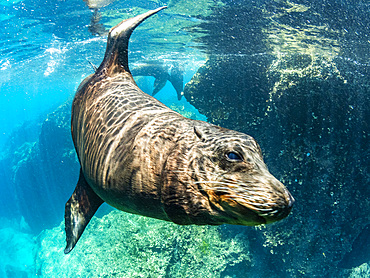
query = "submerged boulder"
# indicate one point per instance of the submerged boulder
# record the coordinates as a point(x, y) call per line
point(310, 116)
point(303, 94)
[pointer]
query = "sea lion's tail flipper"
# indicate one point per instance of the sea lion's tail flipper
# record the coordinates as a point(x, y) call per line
point(79, 209)
point(116, 54)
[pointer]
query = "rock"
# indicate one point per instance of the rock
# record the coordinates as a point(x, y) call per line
point(361, 271)
point(311, 120)
point(127, 245)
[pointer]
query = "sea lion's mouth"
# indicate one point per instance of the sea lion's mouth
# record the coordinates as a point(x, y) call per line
point(260, 200)
point(248, 213)
point(242, 215)
point(233, 212)
point(243, 211)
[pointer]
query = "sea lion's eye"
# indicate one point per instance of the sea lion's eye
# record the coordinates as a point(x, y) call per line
point(232, 156)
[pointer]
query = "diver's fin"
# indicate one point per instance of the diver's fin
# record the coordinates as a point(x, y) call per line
point(116, 54)
point(79, 209)
point(177, 80)
point(158, 85)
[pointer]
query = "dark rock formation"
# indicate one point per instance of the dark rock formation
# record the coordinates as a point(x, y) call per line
point(303, 92)
point(315, 137)
point(311, 120)
point(13, 151)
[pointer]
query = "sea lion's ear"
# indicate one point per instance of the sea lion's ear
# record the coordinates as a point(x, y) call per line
point(199, 133)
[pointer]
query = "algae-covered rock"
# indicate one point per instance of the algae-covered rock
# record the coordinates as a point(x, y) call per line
point(126, 245)
point(311, 122)
point(308, 108)
point(231, 89)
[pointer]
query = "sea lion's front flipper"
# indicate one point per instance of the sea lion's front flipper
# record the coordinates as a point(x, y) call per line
point(79, 209)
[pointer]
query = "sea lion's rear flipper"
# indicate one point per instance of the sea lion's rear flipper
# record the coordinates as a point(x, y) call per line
point(79, 209)
point(159, 83)
point(177, 80)
point(116, 54)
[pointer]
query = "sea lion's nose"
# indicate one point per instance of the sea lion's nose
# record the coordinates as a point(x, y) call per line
point(289, 199)
point(284, 209)
point(286, 199)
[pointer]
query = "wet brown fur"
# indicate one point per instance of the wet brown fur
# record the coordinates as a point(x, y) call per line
point(141, 157)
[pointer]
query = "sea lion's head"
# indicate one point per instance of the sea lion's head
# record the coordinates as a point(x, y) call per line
point(224, 180)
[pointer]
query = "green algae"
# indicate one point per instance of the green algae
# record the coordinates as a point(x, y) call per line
point(308, 50)
point(126, 245)
point(361, 271)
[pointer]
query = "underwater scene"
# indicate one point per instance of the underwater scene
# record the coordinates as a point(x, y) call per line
point(292, 74)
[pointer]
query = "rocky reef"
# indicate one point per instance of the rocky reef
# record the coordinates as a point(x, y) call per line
point(18, 250)
point(313, 130)
point(126, 245)
point(305, 100)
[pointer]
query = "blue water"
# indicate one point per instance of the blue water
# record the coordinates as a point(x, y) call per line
point(46, 47)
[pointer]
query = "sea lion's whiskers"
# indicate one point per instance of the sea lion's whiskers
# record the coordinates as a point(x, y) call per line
point(267, 208)
point(262, 202)
point(205, 173)
point(256, 193)
point(243, 198)
point(225, 192)
point(229, 186)
point(216, 182)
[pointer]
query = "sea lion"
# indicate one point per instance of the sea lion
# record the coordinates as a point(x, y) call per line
point(160, 72)
point(141, 157)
